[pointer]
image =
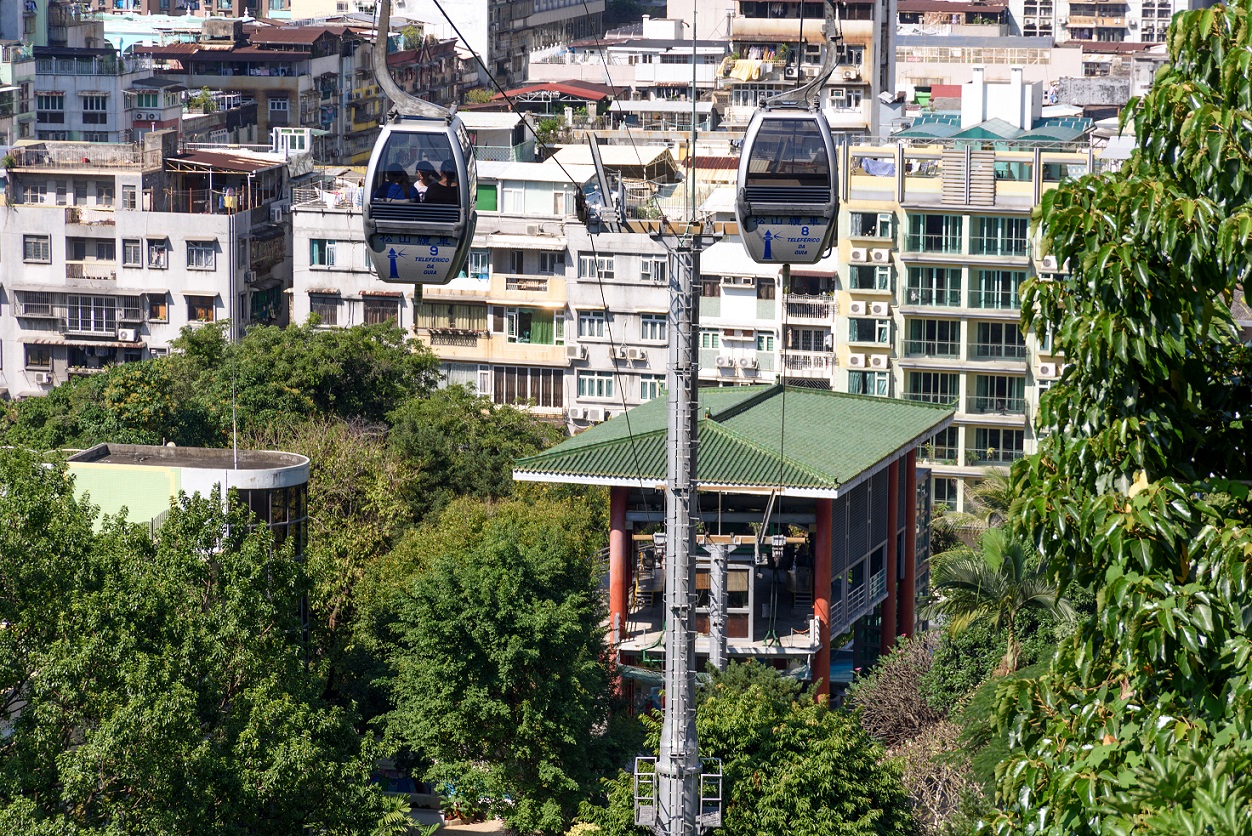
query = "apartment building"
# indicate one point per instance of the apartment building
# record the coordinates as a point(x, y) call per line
point(299, 76)
point(108, 250)
point(17, 99)
point(777, 44)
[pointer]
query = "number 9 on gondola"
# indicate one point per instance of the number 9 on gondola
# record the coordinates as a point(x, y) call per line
point(787, 198)
point(421, 190)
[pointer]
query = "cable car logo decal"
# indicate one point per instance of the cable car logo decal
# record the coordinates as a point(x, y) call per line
point(393, 257)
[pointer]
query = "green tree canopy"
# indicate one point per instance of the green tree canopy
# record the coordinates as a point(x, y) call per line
point(160, 686)
point(500, 674)
point(1142, 723)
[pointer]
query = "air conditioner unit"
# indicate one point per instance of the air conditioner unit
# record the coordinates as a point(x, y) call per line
point(575, 352)
point(595, 413)
point(621, 352)
point(739, 281)
point(790, 72)
point(856, 308)
point(880, 256)
point(856, 361)
point(127, 335)
point(724, 362)
point(858, 255)
point(850, 74)
point(880, 309)
point(748, 363)
point(1132, 23)
point(575, 413)
point(276, 214)
point(636, 354)
point(1047, 371)
point(532, 229)
point(878, 361)
point(249, 275)
point(1048, 264)
point(41, 378)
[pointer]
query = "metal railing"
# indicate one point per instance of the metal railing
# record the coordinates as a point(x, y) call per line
point(990, 404)
point(992, 456)
point(946, 398)
point(525, 152)
point(997, 351)
point(94, 270)
point(936, 297)
point(938, 244)
point(995, 299)
point(526, 283)
point(93, 66)
point(994, 245)
point(809, 307)
point(932, 348)
point(808, 361)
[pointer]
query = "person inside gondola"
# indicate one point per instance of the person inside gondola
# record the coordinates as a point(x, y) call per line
point(425, 179)
point(445, 190)
point(396, 188)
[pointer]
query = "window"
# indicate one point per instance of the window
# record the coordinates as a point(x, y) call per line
point(202, 255)
point(201, 309)
point(943, 447)
point(129, 197)
point(38, 357)
point(487, 197)
point(766, 289)
point(998, 340)
point(95, 110)
point(325, 307)
point(764, 340)
point(147, 101)
point(380, 309)
point(933, 387)
point(869, 383)
point(80, 192)
point(591, 324)
point(933, 338)
point(441, 316)
point(551, 263)
point(937, 286)
point(321, 252)
point(651, 386)
point(935, 234)
point(36, 248)
point(871, 225)
point(996, 289)
point(62, 190)
point(652, 328)
point(869, 330)
point(278, 104)
point(1000, 236)
point(1000, 393)
point(91, 314)
point(104, 192)
point(517, 261)
point(809, 339)
point(564, 201)
point(595, 385)
point(943, 492)
point(995, 445)
point(710, 339)
point(522, 384)
point(50, 107)
point(652, 269)
point(871, 277)
point(479, 264)
point(158, 309)
point(36, 304)
point(534, 326)
point(595, 267)
point(158, 253)
point(35, 193)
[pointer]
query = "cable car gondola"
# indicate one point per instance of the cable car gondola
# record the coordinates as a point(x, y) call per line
point(421, 185)
point(787, 199)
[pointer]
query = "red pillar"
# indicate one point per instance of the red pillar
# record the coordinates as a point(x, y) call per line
point(892, 564)
point(822, 541)
point(908, 600)
point(619, 563)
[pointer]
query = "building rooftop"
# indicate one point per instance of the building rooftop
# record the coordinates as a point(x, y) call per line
point(803, 441)
point(196, 458)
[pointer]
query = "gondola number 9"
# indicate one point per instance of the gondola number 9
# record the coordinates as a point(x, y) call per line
point(434, 251)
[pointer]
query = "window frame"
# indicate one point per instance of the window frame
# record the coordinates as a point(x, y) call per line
point(205, 251)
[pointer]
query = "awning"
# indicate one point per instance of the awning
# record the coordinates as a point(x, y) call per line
point(526, 242)
point(323, 291)
point(389, 294)
point(82, 343)
point(200, 294)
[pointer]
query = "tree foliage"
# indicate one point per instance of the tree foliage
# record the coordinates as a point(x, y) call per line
point(1143, 722)
point(160, 686)
point(500, 680)
point(791, 765)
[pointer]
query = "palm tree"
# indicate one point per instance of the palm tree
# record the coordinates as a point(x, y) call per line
point(998, 581)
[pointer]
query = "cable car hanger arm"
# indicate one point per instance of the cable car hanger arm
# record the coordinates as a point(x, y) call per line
point(403, 103)
point(805, 95)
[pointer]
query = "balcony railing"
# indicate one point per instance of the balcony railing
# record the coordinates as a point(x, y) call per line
point(939, 244)
point(525, 152)
point(94, 270)
point(993, 245)
point(985, 404)
point(809, 361)
point(995, 300)
point(997, 351)
point(935, 297)
point(809, 307)
point(932, 348)
point(450, 337)
point(945, 398)
point(93, 65)
point(526, 283)
point(992, 456)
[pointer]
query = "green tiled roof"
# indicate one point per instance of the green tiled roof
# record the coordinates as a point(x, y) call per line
point(749, 437)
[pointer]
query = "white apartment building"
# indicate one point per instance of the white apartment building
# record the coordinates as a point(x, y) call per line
point(108, 250)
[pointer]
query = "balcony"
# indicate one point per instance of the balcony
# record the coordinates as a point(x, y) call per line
point(995, 246)
point(809, 363)
point(528, 284)
point(1000, 300)
point(934, 244)
point(100, 271)
point(81, 216)
point(948, 349)
point(997, 351)
point(992, 456)
point(941, 398)
point(450, 337)
point(809, 307)
point(934, 297)
point(992, 404)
